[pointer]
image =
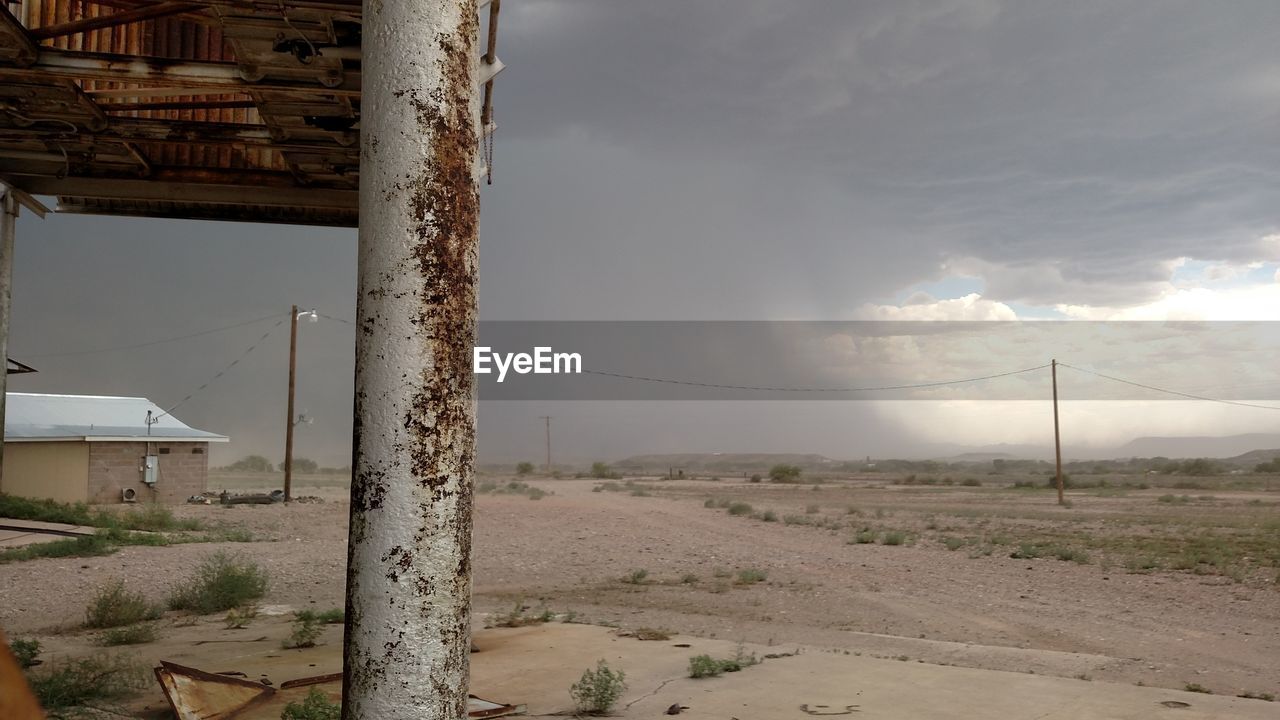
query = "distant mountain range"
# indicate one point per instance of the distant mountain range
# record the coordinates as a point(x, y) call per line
point(1193, 447)
point(1243, 450)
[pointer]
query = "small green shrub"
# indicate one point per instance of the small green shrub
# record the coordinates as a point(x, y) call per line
point(306, 630)
point(25, 651)
point(315, 706)
point(811, 509)
point(78, 687)
point(701, 666)
point(334, 616)
point(864, 537)
point(598, 690)
point(739, 508)
point(636, 577)
point(953, 543)
point(524, 468)
point(769, 516)
point(114, 606)
point(220, 583)
point(688, 579)
point(894, 537)
point(784, 474)
point(1197, 688)
point(240, 617)
point(129, 635)
point(750, 576)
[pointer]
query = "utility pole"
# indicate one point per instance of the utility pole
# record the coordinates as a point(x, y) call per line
point(288, 433)
point(8, 229)
point(1057, 441)
point(407, 645)
point(547, 418)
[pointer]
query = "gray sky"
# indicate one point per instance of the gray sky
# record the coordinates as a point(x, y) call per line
point(752, 159)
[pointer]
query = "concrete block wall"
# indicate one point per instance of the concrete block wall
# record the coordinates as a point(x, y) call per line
point(113, 466)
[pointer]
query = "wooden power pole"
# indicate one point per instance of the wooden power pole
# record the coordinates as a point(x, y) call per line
point(547, 418)
point(288, 433)
point(1057, 440)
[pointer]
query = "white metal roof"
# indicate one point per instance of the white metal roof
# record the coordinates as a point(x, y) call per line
point(34, 417)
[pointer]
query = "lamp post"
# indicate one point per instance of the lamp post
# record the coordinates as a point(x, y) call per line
point(293, 373)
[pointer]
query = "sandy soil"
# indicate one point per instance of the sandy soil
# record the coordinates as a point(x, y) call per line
point(567, 551)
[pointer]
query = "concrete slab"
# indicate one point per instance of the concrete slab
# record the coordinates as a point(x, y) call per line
point(536, 665)
point(17, 533)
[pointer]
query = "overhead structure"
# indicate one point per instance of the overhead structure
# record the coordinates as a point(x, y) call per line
point(250, 110)
point(216, 109)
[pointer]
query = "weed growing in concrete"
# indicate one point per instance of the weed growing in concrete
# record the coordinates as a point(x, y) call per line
point(139, 634)
point(598, 690)
point(315, 706)
point(701, 666)
point(306, 630)
point(240, 617)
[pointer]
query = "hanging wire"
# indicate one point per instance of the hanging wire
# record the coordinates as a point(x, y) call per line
point(1169, 392)
point(157, 342)
point(913, 386)
point(223, 371)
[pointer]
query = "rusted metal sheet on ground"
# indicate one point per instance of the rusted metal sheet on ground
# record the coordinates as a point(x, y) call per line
point(198, 695)
point(17, 702)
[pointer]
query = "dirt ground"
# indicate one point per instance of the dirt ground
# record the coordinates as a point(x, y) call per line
point(1106, 618)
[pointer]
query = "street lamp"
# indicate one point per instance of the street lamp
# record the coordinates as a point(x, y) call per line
point(311, 316)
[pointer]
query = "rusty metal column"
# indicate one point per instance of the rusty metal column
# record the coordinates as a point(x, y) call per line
point(8, 229)
point(407, 644)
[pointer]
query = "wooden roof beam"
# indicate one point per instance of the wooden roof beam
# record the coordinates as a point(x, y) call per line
point(101, 22)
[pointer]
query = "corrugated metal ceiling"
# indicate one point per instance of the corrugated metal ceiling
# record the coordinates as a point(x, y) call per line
point(231, 109)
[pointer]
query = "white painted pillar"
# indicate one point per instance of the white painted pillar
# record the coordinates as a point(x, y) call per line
point(408, 634)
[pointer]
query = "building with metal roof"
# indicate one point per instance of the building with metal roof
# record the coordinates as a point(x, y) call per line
point(86, 448)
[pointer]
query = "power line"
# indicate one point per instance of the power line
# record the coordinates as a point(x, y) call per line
point(330, 317)
point(914, 386)
point(224, 370)
point(1170, 392)
point(158, 342)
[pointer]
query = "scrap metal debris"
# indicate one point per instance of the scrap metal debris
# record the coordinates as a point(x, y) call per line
point(198, 695)
point(274, 496)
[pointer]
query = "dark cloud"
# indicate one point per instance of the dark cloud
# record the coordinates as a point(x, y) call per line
point(751, 159)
